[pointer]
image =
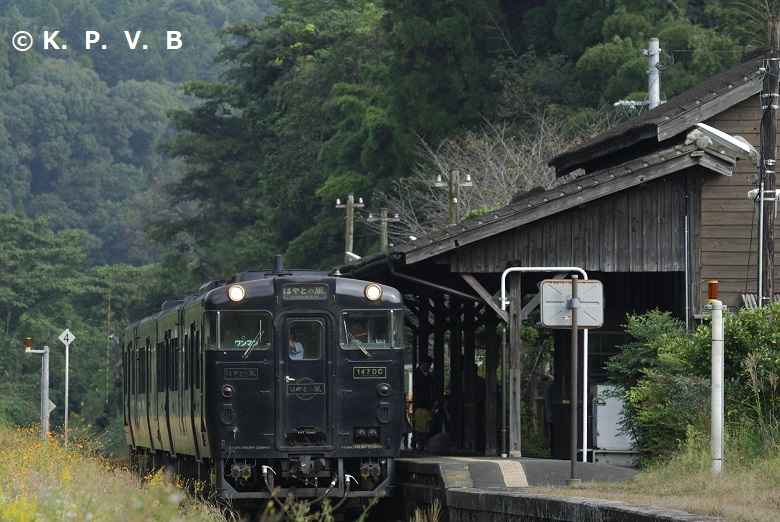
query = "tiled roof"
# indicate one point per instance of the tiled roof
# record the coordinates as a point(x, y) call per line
point(649, 124)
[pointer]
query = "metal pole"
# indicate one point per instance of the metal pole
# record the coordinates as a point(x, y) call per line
point(454, 193)
point(383, 229)
point(717, 399)
point(504, 303)
point(768, 156)
point(504, 452)
point(574, 305)
point(45, 392)
point(349, 234)
point(653, 75)
point(67, 373)
point(44, 385)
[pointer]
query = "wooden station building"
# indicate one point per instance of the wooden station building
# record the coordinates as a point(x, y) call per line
point(654, 210)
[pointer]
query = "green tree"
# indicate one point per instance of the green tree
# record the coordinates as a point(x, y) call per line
point(442, 65)
point(75, 151)
point(254, 146)
point(41, 271)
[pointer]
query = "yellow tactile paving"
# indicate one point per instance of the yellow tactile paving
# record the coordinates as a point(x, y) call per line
point(511, 470)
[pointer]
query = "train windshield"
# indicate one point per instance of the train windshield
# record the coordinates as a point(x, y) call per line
point(371, 330)
point(244, 330)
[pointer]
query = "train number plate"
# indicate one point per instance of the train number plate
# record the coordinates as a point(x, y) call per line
point(369, 372)
point(240, 374)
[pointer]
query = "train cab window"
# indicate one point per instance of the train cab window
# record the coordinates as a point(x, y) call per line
point(305, 339)
point(243, 331)
point(366, 330)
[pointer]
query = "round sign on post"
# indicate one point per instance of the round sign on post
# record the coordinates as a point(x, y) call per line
point(66, 337)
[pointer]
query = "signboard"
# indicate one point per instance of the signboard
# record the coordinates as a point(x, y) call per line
point(66, 337)
point(304, 291)
point(556, 307)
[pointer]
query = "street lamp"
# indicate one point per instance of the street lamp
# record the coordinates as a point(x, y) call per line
point(383, 221)
point(349, 236)
point(454, 185)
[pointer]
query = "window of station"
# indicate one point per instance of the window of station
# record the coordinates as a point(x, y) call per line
point(242, 331)
point(601, 346)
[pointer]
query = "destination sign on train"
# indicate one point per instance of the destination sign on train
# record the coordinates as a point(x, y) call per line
point(305, 291)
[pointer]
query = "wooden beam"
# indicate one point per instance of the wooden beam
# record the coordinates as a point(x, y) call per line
point(485, 295)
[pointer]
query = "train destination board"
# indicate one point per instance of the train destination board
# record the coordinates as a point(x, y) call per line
point(302, 291)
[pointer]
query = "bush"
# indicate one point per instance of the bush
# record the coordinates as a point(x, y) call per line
point(665, 370)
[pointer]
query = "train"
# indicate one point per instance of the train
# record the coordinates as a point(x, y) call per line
point(272, 383)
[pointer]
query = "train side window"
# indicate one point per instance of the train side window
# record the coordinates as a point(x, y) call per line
point(398, 329)
point(242, 331)
point(210, 331)
point(305, 339)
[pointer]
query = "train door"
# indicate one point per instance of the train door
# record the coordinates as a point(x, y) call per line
point(305, 409)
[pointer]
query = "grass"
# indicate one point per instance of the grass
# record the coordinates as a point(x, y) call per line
point(41, 479)
point(746, 490)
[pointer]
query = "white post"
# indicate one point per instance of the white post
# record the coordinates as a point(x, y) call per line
point(44, 386)
point(504, 303)
point(67, 373)
point(716, 437)
point(45, 392)
point(653, 75)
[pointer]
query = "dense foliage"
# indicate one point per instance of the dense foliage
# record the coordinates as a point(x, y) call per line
point(664, 378)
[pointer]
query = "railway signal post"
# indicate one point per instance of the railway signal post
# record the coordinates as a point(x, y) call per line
point(46, 405)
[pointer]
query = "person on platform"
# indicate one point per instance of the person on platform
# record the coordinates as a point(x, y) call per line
point(441, 427)
point(422, 397)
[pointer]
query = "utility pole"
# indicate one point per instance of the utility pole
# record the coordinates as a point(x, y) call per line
point(349, 236)
point(767, 183)
point(653, 74)
point(454, 184)
point(383, 220)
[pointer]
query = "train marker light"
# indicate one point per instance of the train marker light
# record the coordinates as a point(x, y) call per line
point(373, 292)
point(236, 293)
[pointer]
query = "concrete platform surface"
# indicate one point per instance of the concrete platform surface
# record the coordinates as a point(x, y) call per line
point(496, 473)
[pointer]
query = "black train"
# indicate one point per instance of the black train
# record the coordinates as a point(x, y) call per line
point(280, 379)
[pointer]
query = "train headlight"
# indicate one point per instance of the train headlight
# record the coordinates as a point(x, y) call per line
point(236, 293)
point(227, 391)
point(383, 389)
point(373, 292)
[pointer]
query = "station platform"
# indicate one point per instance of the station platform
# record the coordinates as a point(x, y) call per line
point(496, 473)
point(495, 489)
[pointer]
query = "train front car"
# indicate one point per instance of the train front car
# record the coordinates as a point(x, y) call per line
point(303, 386)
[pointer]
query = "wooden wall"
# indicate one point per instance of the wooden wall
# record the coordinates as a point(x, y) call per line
point(640, 230)
point(729, 221)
